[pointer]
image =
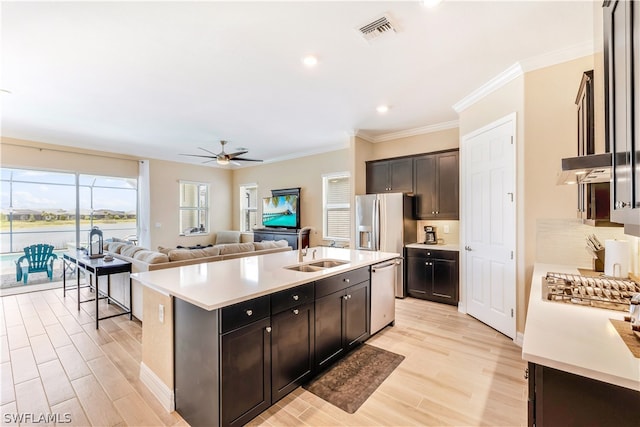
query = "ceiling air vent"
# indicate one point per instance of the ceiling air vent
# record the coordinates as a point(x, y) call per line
point(377, 28)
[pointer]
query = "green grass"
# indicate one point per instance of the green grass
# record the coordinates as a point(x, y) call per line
point(4, 225)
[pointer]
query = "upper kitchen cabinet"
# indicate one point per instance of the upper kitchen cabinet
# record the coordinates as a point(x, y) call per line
point(436, 183)
point(622, 108)
point(390, 176)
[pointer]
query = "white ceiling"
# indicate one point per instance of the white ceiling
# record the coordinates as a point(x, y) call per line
point(156, 79)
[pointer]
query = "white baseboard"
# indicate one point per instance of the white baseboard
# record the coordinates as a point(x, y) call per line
point(158, 388)
point(519, 339)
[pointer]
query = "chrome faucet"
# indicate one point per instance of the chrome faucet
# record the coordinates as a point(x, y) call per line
point(301, 252)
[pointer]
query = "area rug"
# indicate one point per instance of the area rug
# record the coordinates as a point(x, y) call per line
point(350, 382)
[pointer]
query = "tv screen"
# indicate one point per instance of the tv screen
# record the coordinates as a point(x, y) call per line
point(280, 211)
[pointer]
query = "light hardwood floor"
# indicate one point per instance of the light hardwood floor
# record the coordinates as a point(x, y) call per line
point(456, 371)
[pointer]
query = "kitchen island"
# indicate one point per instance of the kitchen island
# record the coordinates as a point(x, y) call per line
point(245, 332)
point(580, 370)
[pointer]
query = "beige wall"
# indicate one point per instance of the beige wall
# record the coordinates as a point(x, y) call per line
point(165, 180)
point(19, 153)
point(550, 134)
point(417, 144)
point(303, 172)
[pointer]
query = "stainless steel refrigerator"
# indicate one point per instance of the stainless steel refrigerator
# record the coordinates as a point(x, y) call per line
point(384, 222)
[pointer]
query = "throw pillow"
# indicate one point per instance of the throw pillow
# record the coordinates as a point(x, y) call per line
point(164, 250)
point(265, 244)
point(130, 250)
point(151, 257)
point(236, 248)
point(223, 237)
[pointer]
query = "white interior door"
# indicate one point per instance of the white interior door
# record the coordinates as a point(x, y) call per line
point(489, 215)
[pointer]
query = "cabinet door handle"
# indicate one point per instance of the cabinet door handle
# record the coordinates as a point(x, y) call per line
point(344, 297)
point(437, 212)
point(526, 374)
point(346, 280)
point(295, 297)
point(349, 296)
point(268, 329)
point(249, 312)
point(296, 312)
point(433, 212)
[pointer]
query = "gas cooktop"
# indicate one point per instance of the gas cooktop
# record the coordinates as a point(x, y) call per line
point(601, 292)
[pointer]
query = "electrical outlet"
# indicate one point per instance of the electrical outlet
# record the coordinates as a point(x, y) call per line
point(161, 313)
point(446, 229)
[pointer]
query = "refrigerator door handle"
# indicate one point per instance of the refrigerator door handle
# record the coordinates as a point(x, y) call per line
point(376, 225)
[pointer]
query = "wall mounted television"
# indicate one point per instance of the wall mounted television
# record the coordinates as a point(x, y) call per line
point(281, 210)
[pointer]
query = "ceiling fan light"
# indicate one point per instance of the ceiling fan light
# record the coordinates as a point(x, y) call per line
point(222, 161)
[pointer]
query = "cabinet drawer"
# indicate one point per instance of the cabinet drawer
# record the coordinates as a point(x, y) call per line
point(341, 281)
point(432, 253)
point(289, 298)
point(244, 313)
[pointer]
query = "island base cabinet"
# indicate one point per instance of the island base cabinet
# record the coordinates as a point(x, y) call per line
point(559, 398)
point(342, 320)
point(292, 351)
point(196, 363)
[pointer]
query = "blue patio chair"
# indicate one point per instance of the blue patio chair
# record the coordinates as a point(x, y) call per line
point(38, 258)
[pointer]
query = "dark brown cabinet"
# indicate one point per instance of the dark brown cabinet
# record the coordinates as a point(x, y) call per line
point(436, 184)
point(233, 363)
point(292, 339)
point(342, 315)
point(245, 371)
point(291, 236)
point(559, 398)
point(432, 274)
point(622, 108)
point(390, 176)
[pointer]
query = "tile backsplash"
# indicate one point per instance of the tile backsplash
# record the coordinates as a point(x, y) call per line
point(452, 237)
point(562, 241)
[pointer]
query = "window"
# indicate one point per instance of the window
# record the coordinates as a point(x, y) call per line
point(248, 207)
point(41, 207)
point(336, 206)
point(194, 208)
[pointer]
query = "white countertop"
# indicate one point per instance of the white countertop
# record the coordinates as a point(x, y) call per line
point(438, 247)
point(218, 284)
point(575, 339)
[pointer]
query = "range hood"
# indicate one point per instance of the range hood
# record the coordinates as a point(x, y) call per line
point(586, 169)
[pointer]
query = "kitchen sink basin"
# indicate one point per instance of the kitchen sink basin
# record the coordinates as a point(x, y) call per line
point(319, 265)
point(304, 267)
point(327, 263)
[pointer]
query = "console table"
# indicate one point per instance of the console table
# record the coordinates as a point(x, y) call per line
point(97, 267)
point(290, 235)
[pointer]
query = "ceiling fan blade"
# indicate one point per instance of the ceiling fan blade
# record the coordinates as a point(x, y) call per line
point(209, 161)
point(247, 160)
point(200, 155)
point(204, 149)
point(237, 153)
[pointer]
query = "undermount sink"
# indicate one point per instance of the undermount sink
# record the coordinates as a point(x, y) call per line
point(316, 265)
point(327, 263)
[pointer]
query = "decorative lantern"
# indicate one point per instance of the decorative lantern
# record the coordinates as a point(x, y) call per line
point(95, 243)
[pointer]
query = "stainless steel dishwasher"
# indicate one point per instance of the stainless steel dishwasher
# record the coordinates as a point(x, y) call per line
point(383, 298)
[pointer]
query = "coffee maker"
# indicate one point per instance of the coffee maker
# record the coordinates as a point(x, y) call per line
point(430, 235)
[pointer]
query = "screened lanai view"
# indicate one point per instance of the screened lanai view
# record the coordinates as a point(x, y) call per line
point(56, 211)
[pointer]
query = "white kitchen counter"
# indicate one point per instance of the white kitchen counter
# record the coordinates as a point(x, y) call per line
point(575, 339)
point(219, 284)
point(439, 247)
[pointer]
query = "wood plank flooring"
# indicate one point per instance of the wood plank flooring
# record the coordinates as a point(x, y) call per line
point(456, 372)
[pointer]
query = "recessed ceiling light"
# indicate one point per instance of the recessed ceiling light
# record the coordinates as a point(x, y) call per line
point(431, 3)
point(382, 109)
point(310, 61)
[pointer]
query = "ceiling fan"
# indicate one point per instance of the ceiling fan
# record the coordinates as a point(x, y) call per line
point(223, 158)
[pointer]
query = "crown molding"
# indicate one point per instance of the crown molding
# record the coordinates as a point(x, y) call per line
point(492, 85)
point(558, 56)
point(524, 66)
point(409, 132)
